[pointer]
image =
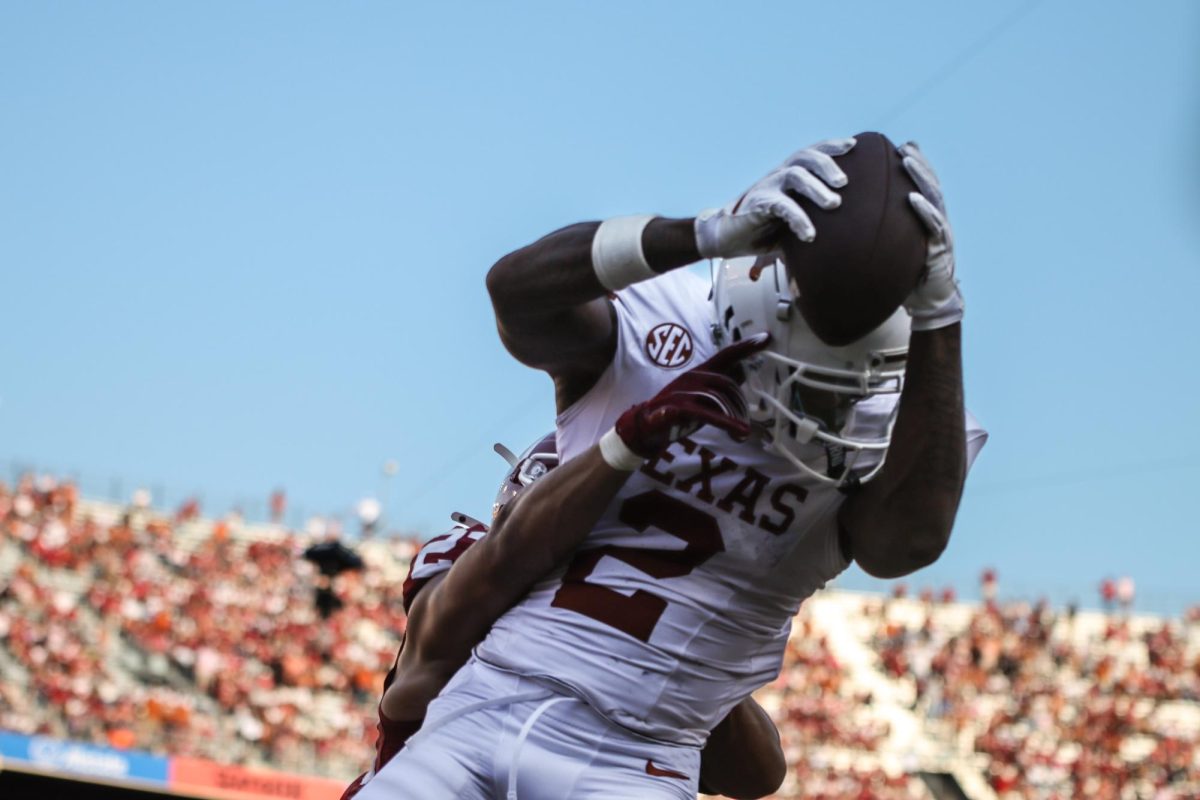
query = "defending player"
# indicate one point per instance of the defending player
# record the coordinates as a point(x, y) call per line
point(450, 610)
point(606, 681)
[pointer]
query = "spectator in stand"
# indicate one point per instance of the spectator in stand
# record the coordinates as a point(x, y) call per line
point(987, 586)
point(278, 506)
point(188, 510)
point(1108, 594)
point(1125, 593)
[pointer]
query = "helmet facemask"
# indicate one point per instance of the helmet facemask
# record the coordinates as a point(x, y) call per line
point(804, 393)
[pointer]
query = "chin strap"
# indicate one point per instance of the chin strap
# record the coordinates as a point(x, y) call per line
point(835, 456)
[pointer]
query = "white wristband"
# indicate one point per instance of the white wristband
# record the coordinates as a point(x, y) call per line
point(617, 253)
point(707, 229)
point(947, 313)
point(617, 454)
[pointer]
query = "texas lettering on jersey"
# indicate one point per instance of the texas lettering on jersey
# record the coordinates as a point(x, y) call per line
point(778, 511)
point(686, 507)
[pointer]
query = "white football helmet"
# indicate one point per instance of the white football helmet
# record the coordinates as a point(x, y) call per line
point(755, 296)
point(525, 469)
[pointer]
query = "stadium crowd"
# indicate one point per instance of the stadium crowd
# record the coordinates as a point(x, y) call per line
point(133, 635)
point(817, 706)
point(169, 633)
point(1062, 706)
point(826, 725)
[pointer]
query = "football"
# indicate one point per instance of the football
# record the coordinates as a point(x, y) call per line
point(868, 253)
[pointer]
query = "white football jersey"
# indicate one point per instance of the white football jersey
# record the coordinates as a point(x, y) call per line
point(680, 602)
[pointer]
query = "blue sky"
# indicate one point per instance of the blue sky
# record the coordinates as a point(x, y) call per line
point(243, 245)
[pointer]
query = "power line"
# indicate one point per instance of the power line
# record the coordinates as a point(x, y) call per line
point(957, 62)
point(445, 470)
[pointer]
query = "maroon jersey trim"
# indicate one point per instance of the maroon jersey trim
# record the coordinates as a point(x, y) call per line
point(432, 559)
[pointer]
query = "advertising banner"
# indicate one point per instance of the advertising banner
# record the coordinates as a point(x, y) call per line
point(59, 756)
point(241, 783)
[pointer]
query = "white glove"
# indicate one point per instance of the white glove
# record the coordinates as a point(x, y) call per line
point(751, 224)
point(936, 302)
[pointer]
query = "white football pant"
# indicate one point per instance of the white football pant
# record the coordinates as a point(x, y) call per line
point(494, 735)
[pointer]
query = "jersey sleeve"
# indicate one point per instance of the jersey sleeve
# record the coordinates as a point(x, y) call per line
point(437, 556)
point(976, 438)
point(664, 326)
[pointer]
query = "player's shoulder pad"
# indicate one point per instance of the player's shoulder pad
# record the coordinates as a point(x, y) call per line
point(439, 554)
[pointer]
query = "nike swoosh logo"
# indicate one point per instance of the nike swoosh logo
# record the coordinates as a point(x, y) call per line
point(659, 772)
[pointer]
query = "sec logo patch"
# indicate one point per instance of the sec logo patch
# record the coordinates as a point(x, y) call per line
point(669, 345)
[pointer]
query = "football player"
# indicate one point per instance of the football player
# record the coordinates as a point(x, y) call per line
point(450, 610)
point(606, 679)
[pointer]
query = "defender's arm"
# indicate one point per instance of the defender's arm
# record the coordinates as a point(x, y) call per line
point(536, 532)
point(543, 526)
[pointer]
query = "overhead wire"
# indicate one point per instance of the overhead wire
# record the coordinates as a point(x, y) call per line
point(483, 444)
point(958, 61)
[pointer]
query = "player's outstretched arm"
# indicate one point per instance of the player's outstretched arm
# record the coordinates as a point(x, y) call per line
point(551, 297)
point(539, 530)
point(743, 758)
point(534, 533)
point(901, 520)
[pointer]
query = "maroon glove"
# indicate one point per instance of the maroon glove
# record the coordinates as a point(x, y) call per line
point(704, 395)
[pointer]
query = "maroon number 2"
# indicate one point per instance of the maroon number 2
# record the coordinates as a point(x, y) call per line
point(637, 614)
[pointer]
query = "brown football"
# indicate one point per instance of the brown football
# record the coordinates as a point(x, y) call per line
point(868, 253)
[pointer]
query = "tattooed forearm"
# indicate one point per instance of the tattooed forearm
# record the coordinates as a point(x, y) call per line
point(901, 520)
point(929, 440)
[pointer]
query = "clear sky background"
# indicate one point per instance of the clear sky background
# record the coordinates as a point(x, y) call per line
point(242, 245)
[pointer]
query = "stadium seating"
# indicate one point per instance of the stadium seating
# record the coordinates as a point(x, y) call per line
point(193, 637)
